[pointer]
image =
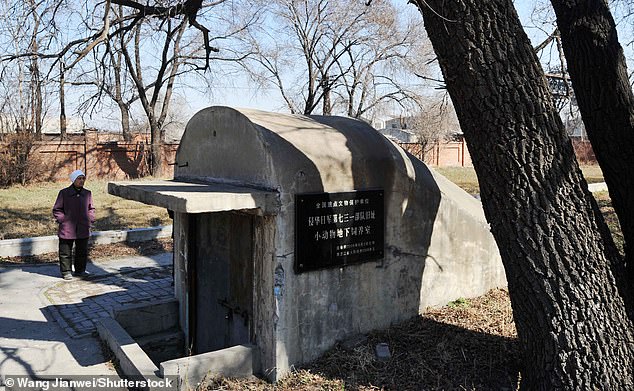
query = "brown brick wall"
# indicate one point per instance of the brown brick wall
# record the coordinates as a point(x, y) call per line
point(456, 153)
point(453, 153)
point(108, 156)
point(100, 156)
point(584, 151)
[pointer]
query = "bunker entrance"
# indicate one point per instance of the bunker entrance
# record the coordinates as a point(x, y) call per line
point(222, 280)
point(292, 233)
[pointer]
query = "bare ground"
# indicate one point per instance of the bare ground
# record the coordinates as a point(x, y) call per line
point(101, 252)
point(466, 345)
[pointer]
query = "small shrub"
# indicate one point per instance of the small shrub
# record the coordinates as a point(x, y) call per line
point(460, 302)
point(17, 164)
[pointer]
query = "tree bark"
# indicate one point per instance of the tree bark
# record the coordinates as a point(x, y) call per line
point(325, 85)
point(62, 102)
point(124, 108)
point(156, 162)
point(571, 320)
point(36, 107)
point(36, 82)
point(600, 80)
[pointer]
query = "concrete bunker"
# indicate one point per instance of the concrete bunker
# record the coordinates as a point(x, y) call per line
point(292, 233)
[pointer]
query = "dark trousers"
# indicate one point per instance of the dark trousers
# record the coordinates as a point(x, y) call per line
point(66, 255)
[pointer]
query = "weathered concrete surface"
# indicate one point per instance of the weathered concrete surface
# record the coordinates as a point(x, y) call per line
point(189, 197)
point(462, 259)
point(133, 362)
point(145, 319)
point(438, 245)
point(163, 346)
point(154, 326)
point(48, 244)
point(132, 359)
point(596, 187)
point(437, 242)
point(236, 361)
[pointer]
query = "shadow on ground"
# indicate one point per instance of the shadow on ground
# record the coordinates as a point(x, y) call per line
point(75, 306)
point(78, 304)
point(426, 354)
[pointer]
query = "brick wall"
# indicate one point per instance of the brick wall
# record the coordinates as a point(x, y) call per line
point(456, 153)
point(452, 153)
point(100, 155)
point(108, 156)
point(584, 151)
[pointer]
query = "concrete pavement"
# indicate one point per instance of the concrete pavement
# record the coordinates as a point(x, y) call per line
point(46, 323)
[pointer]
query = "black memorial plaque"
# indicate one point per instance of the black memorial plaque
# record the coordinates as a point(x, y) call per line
point(338, 229)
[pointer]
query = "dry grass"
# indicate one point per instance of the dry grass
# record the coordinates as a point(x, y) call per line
point(605, 204)
point(470, 344)
point(26, 210)
point(102, 252)
point(466, 178)
point(466, 345)
point(592, 173)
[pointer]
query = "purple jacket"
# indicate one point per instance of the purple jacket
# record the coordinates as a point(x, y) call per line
point(74, 213)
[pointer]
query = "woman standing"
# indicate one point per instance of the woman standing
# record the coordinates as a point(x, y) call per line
point(75, 214)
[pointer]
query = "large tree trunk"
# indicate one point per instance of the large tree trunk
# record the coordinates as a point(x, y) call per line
point(36, 82)
point(599, 77)
point(570, 318)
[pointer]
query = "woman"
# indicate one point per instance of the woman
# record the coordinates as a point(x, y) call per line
point(75, 214)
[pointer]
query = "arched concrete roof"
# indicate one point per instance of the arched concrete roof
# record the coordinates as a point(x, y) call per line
point(231, 159)
point(285, 152)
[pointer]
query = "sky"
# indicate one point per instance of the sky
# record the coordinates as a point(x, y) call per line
point(239, 92)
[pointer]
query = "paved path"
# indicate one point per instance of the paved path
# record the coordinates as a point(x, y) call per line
point(78, 303)
point(46, 323)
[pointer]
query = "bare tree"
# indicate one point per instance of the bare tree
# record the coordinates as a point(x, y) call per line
point(380, 62)
point(25, 23)
point(165, 77)
point(347, 56)
point(179, 53)
point(137, 52)
point(316, 40)
point(108, 79)
point(435, 123)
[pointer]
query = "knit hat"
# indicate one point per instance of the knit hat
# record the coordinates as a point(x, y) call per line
point(76, 174)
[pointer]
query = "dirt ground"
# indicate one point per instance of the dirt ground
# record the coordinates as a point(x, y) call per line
point(470, 344)
point(102, 252)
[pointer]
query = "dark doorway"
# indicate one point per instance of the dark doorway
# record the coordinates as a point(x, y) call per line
point(222, 279)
